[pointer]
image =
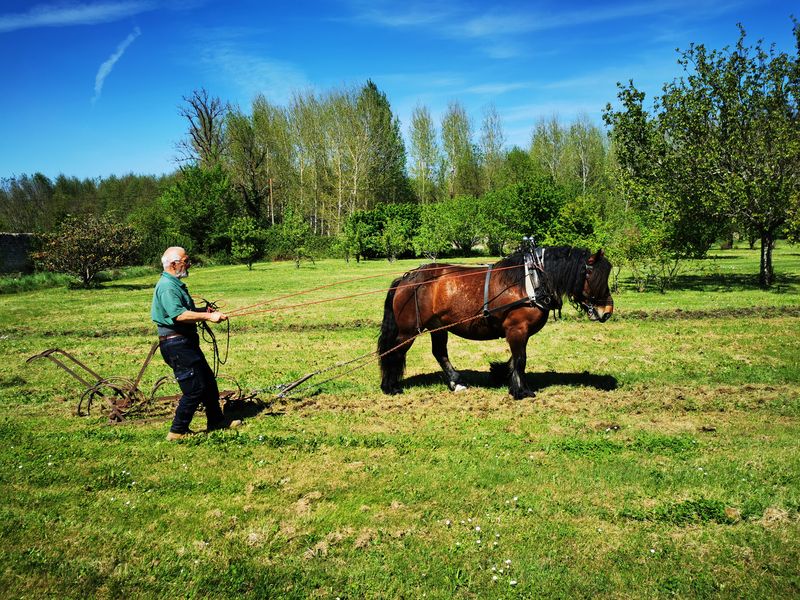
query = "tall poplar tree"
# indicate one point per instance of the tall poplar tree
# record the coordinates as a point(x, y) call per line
point(425, 155)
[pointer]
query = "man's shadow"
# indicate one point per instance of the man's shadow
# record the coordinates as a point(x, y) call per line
point(536, 381)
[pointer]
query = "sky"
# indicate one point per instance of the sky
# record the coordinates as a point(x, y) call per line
point(92, 88)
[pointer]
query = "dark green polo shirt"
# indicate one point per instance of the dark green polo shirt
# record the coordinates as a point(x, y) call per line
point(171, 299)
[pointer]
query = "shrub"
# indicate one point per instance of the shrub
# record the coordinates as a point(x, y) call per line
point(83, 247)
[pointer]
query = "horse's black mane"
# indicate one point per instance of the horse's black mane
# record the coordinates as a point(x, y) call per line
point(563, 267)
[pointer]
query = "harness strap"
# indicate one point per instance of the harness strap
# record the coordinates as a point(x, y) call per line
point(416, 305)
point(486, 311)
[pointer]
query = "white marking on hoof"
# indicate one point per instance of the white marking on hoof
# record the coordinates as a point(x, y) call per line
point(459, 388)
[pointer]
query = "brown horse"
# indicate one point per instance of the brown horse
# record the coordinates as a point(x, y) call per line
point(478, 306)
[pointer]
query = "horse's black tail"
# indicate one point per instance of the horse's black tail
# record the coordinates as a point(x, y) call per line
point(393, 364)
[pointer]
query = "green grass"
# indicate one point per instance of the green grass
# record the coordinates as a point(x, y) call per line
point(659, 458)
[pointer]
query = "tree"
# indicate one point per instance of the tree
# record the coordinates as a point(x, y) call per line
point(501, 218)
point(425, 155)
point(461, 216)
point(386, 174)
point(293, 236)
point(723, 144)
point(492, 141)
point(462, 165)
point(247, 240)
point(548, 147)
point(585, 153)
point(25, 203)
point(84, 246)
point(200, 205)
point(433, 235)
point(399, 225)
point(206, 135)
point(246, 160)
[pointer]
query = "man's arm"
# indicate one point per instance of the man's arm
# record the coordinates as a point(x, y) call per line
point(193, 316)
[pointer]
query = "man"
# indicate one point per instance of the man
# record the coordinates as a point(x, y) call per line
point(176, 318)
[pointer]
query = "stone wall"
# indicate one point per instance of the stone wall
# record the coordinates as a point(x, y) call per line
point(14, 248)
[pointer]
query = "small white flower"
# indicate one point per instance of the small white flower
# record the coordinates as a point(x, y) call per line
point(500, 571)
point(652, 550)
point(512, 582)
point(508, 561)
point(515, 498)
point(497, 535)
point(477, 541)
point(447, 523)
point(494, 577)
point(494, 569)
point(477, 528)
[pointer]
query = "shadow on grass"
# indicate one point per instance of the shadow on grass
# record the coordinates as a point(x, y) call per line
point(536, 381)
point(246, 408)
point(738, 282)
point(128, 287)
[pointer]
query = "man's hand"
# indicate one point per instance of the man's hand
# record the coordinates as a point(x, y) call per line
point(217, 316)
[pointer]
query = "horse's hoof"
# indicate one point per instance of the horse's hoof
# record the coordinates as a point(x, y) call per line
point(459, 388)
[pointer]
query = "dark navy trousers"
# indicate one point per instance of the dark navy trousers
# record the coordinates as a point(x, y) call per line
point(196, 379)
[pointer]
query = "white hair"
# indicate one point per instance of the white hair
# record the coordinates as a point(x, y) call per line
point(171, 254)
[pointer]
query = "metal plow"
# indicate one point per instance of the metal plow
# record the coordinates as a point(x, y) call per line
point(120, 398)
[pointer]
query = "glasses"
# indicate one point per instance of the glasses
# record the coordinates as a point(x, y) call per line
point(185, 260)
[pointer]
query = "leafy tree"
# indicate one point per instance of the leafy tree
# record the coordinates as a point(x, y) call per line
point(540, 200)
point(425, 155)
point(461, 216)
point(548, 147)
point(246, 162)
point(723, 143)
point(386, 168)
point(84, 246)
point(492, 141)
point(294, 233)
point(433, 236)
point(399, 225)
point(462, 171)
point(247, 240)
point(578, 224)
point(25, 203)
point(585, 154)
point(200, 205)
point(501, 218)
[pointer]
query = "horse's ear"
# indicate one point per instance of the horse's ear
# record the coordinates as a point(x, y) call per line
point(600, 253)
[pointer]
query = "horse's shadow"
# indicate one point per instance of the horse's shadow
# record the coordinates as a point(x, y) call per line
point(536, 381)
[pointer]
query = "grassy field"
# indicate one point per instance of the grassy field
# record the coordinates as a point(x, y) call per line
point(659, 458)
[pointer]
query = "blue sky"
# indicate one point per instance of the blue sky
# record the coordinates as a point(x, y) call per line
point(92, 88)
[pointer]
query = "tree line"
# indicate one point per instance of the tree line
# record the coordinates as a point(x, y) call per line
point(716, 155)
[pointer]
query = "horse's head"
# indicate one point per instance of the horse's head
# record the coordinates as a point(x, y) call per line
point(595, 297)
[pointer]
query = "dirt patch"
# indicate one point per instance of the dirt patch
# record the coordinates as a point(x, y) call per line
point(322, 547)
point(303, 506)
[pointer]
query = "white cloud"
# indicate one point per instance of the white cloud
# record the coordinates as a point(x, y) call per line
point(253, 74)
point(73, 13)
point(108, 65)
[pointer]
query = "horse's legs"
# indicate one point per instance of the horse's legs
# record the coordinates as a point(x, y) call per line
point(439, 348)
point(517, 339)
point(394, 364)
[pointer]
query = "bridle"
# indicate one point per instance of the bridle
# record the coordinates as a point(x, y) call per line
point(589, 302)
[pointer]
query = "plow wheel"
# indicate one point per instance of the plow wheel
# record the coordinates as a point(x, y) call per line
point(114, 398)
